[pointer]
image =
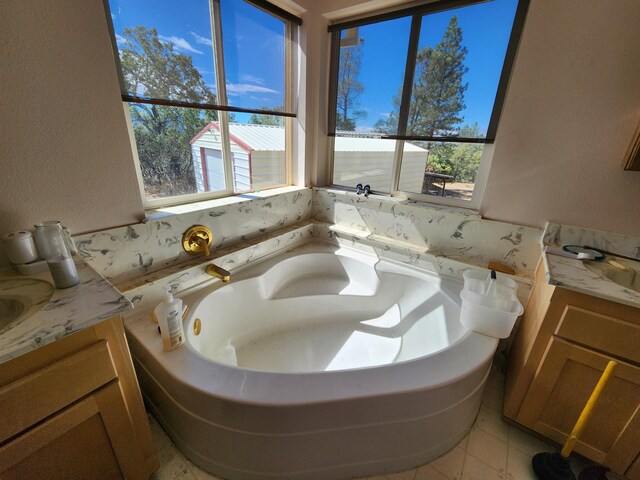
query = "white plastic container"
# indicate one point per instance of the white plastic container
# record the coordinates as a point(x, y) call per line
point(19, 247)
point(490, 307)
point(169, 316)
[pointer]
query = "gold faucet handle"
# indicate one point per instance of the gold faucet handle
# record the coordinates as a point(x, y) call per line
point(203, 242)
point(197, 239)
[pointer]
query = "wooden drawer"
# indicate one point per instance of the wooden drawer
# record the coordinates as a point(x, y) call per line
point(601, 332)
point(44, 392)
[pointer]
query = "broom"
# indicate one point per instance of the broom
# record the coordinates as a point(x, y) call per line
point(555, 466)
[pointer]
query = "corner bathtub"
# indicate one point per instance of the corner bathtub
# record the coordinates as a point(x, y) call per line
point(347, 365)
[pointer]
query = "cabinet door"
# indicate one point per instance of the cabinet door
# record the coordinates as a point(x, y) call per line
point(561, 387)
point(92, 438)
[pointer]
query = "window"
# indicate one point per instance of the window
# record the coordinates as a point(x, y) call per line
point(207, 86)
point(416, 97)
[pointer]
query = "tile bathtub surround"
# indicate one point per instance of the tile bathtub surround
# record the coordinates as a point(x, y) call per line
point(559, 235)
point(493, 450)
point(124, 253)
point(68, 310)
point(147, 291)
point(441, 231)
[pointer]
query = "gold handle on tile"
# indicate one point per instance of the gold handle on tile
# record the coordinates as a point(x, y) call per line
point(197, 239)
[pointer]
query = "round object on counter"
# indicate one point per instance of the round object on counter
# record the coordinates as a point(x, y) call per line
point(19, 247)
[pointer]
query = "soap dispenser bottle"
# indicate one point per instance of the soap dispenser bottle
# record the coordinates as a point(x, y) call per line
point(169, 315)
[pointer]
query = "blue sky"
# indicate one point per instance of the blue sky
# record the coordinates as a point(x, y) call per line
point(254, 50)
point(486, 28)
point(253, 41)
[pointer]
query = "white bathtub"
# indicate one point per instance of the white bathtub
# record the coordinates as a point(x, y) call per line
point(348, 366)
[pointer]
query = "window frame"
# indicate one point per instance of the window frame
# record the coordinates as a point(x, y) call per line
point(291, 23)
point(417, 12)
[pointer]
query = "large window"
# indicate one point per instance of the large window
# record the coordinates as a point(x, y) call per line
point(207, 86)
point(416, 97)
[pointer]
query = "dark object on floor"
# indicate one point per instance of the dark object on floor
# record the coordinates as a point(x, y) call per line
point(552, 466)
point(593, 472)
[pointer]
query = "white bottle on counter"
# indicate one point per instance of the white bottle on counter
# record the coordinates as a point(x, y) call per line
point(169, 315)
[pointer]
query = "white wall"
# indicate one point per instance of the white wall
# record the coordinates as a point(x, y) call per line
point(568, 119)
point(64, 146)
point(573, 104)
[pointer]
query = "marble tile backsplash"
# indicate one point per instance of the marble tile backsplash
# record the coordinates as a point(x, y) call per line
point(556, 234)
point(454, 233)
point(124, 253)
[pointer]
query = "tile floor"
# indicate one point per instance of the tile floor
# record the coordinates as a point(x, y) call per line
point(493, 450)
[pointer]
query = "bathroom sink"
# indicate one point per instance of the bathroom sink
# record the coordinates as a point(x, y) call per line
point(20, 298)
point(625, 273)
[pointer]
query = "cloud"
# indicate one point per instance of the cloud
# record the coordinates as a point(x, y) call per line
point(202, 40)
point(241, 88)
point(120, 39)
point(251, 79)
point(180, 44)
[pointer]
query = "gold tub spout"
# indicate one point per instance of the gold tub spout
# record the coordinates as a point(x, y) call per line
point(218, 272)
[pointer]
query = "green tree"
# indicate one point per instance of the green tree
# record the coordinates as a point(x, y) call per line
point(459, 160)
point(153, 68)
point(349, 88)
point(264, 119)
point(437, 95)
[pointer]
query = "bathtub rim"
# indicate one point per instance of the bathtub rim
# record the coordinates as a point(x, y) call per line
point(189, 369)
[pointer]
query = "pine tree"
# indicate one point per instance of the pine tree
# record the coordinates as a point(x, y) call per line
point(349, 88)
point(438, 90)
point(437, 96)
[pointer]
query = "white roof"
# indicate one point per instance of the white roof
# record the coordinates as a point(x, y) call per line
point(271, 138)
point(259, 137)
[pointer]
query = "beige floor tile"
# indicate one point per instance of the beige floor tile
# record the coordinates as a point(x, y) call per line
point(464, 442)
point(450, 464)
point(491, 422)
point(474, 469)
point(427, 472)
point(526, 443)
point(173, 466)
point(491, 450)
point(158, 435)
point(519, 465)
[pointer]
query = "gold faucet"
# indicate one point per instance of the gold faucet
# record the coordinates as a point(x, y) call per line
point(197, 239)
point(218, 272)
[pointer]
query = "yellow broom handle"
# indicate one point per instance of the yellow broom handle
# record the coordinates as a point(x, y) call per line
point(587, 410)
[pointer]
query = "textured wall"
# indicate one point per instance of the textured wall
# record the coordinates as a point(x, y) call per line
point(64, 147)
point(572, 107)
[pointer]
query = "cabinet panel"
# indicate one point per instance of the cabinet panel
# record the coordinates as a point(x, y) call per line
point(89, 439)
point(562, 385)
point(602, 332)
point(48, 390)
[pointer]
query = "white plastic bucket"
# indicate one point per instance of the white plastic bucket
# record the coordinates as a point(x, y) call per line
point(490, 307)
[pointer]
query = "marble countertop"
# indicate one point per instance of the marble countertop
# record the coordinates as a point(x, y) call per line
point(571, 274)
point(67, 311)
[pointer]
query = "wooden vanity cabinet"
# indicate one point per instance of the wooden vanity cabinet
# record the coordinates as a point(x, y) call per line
point(73, 409)
point(562, 346)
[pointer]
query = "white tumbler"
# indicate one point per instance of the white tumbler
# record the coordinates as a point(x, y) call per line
point(53, 247)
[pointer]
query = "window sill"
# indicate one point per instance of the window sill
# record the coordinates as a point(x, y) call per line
point(156, 213)
point(401, 200)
